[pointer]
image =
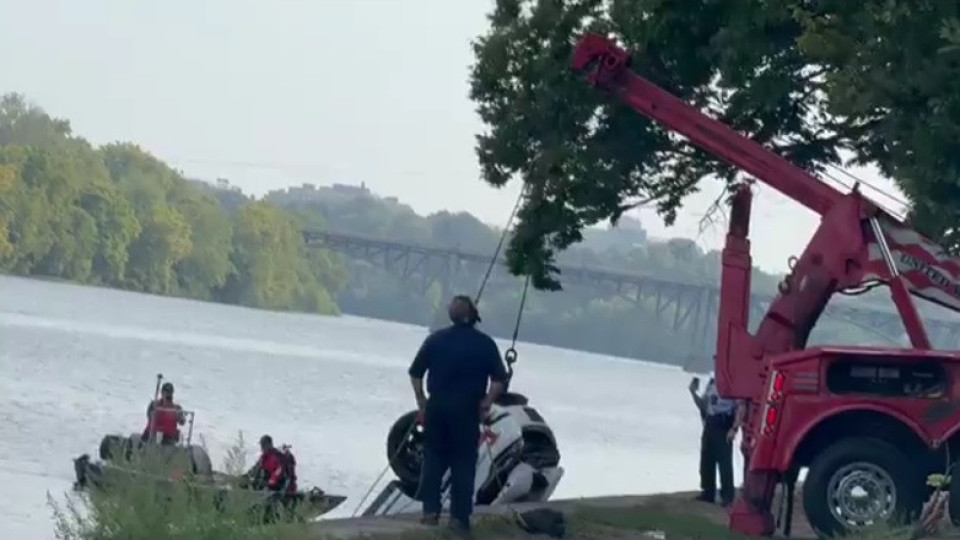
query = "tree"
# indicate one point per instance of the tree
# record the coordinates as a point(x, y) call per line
point(206, 268)
point(806, 79)
point(461, 231)
point(119, 216)
point(272, 269)
point(8, 179)
point(117, 228)
point(164, 242)
point(25, 124)
point(892, 72)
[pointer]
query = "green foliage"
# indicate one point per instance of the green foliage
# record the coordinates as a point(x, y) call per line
point(144, 507)
point(267, 242)
point(118, 216)
point(806, 79)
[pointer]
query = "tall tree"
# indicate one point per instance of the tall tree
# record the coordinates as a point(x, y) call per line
point(119, 216)
point(206, 268)
point(892, 72)
point(806, 79)
point(272, 269)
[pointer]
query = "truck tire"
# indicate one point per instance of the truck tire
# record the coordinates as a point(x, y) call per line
point(953, 502)
point(888, 488)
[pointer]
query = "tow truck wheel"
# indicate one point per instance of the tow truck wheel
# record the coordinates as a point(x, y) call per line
point(858, 482)
point(953, 502)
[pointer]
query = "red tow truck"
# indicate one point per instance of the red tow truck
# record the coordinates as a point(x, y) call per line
point(868, 424)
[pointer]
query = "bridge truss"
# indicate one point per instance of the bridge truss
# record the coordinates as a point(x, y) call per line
point(686, 307)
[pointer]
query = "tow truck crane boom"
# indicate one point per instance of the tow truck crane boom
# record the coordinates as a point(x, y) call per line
point(856, 243)
point(611, 73)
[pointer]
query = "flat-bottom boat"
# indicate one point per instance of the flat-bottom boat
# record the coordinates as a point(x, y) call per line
point(130, 459)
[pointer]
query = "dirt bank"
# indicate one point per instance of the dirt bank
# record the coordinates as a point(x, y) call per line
point(605, 518)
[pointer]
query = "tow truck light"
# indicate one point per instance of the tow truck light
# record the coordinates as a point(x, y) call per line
point(771, 419)
point(778, 382)
point(776, 387)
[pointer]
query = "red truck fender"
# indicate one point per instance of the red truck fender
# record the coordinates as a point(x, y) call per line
point(800, 436)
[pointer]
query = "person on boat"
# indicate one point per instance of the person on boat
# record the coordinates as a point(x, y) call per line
point(164, 417)
point(275, 469)
point(460, 360)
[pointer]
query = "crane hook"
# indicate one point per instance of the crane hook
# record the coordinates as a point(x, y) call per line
point(510, 356)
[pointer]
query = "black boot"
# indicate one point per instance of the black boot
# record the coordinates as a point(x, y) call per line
point(430, 520)
point(459, 530)
point(706, 497)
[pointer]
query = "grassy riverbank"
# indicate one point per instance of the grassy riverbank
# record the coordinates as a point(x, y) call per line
point(134, 509)
point(127, 518)
point(133, 513)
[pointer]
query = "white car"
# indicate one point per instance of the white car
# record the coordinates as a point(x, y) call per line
point(518, 460)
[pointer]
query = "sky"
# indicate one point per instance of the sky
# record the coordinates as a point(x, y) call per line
point(272, 93)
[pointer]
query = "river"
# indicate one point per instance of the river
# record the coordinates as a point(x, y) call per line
point(79, 362)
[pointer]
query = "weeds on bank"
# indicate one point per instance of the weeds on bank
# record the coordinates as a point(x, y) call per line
point(148, 507)
point(592, 522)
point(674, 525)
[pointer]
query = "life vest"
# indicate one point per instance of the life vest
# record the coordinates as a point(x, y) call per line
point(289, 469)
point(277, 471)
point(165, 420)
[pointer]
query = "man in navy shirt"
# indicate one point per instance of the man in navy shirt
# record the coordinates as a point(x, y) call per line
point(460, 360)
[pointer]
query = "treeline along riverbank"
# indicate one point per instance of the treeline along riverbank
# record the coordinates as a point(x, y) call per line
point(117, 216)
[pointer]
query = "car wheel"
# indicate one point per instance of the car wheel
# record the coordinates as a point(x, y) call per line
point(405, 452)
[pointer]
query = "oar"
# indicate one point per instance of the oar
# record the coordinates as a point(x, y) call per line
point(153, 403)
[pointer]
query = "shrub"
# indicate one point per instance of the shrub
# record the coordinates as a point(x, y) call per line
point(148, 506)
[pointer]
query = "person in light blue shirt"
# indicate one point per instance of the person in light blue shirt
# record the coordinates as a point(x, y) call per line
point(716, 442)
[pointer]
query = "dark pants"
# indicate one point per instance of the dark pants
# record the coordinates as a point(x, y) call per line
point(746, 462)
point(451, 432)
point(716, 452)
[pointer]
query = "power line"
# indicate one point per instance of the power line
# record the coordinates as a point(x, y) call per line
point(306, 167)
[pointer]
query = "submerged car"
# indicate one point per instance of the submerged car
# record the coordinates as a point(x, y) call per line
point(519, 460)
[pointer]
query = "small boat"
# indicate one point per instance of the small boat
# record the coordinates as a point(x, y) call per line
point(130, 458)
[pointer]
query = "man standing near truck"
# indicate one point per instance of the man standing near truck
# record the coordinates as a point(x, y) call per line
point(716, 445)
point(461, 361)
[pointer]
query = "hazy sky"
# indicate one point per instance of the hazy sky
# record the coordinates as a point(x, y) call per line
point(271, 93)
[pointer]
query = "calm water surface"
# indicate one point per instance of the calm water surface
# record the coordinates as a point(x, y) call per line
point(79, 362)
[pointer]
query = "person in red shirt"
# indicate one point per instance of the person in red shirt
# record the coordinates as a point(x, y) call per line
point(275, 469)
point(165, 417)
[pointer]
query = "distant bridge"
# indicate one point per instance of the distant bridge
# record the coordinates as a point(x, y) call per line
point(684, 306)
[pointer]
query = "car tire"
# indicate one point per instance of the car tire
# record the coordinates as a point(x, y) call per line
point(873, 465)
point(405, 452)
